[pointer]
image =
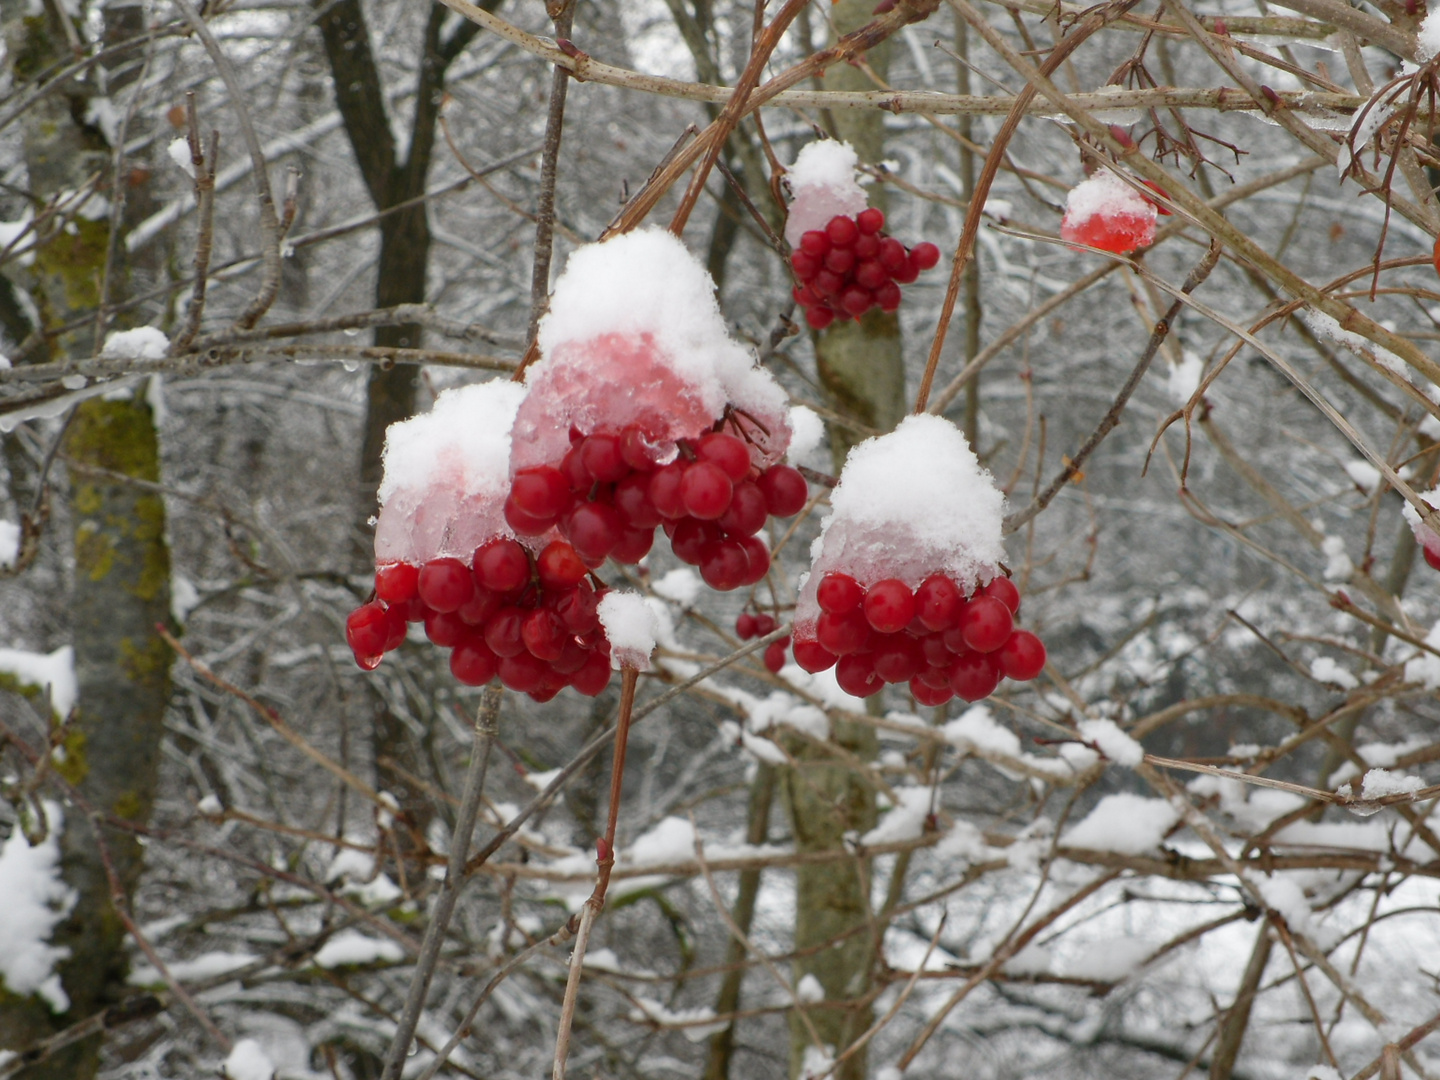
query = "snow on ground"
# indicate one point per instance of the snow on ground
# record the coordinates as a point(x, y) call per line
point(53, 672)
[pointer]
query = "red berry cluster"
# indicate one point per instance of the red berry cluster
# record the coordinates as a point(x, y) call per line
point(752, 625)
point(530, 620)
point(934, 638)
point(608, 493)
point(850, 266)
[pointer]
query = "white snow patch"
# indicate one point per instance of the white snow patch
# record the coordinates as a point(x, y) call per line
point(976, 729)
point(1424, 668)
point(631, 628)
point(1363, 475)
point(1427, 37)
point(247, 1061)
point(679, 586)
point(9, 543)
point(53, 672)
point(210, 806)
point(1108, 960)
point(672, 840)
point(1124, 823)
point(692, 1023)
point(142, 343)
point(352, 947)
point(1338, 566)
point(1105, 194)
point(807, 441)
point(202, 967)
point(1324, 669)
point(1185, 378)
point(824, 184)
point(903, 821)
point(808, 990)
point(817, 1062)
point(1379, 783)
point(1113, 743)
point(36, 899)
point(179, 151)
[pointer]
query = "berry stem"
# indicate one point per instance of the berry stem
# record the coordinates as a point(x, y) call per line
point(966, 247)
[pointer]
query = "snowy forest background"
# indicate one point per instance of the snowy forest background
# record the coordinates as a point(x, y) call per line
point(244, 841)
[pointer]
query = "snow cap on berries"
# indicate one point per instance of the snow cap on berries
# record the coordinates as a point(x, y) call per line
point(823, 184)
point(635, 336)
point(631, 627)
point(1126, 218)
point(446, 475)
point(1425, 536)
point(909, 504)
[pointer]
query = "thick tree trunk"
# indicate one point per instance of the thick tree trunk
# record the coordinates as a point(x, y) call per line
point(121, 588)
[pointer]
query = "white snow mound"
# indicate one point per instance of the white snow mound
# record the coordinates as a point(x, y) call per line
point(823, 183)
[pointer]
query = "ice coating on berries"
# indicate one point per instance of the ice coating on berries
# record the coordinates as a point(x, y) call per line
point(1425, 536)
point(631, 627)
point(634, 336)
point(823, 184)
point(1105, 212)
point(446, 475)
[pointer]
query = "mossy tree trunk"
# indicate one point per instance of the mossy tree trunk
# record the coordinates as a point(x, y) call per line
point(862, 369)
point(121, 589)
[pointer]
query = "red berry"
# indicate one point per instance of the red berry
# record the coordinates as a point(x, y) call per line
point(891, 254)
point(445, 584)
point(804, 264)
point(871, 275)
point(815, 243)
point(898, 659)
point(540, 491)
point(593, 529)
point(827, 283)
point(1022, 657)
point(593, 677)
point(632, 499)
point(366, 630)
point(928, 695)
point(819, 318)
point(724, 565)
point(775, 654)
point(1159, 191)
point(504, 633)
point(1120, 232)
point(985, 623)
point(1432, 558)
point(501, 565)
point(445, 628)
point(603, 459)
point(839, 593)
point(576, 608)
point(472, 662)
point(705, 489)
point(635, 448)
point(842, 634)
point(727, 451)
point(522, 672)
point(544, 634)
point(764, 624)
point(856, 675)
point(368, 663)
point(842, 231)
point(571, 659)
point(572, 467)
point(937, 601)
point(745, 627)
point(812, 656)
point(907, 273)
point(925, 255)
point(524, 524)
point(746, 513)
point(559, 567)
point(395, 624)
point(840, 261)
point(395, 583)
point(889, 606)
point(804, 296)
point(888, 296)
point(856, 301)
point(759, 560)
point(665, 490)
point(870, 220)
point(974, 676)
point(784, 489)
point(935, 651)
point(477, 610)
point(866, 247)
point(1004, 590)
point(633, 545)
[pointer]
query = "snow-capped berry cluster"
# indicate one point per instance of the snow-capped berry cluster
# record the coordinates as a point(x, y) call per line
point(932, 637)
point(851, 266)
point(1107, 213)
point(904, 583)
point(1425, 536)
point(446, 558)
point(841, 257)
point(757, 624)
point(668, 421)
point(529, 619)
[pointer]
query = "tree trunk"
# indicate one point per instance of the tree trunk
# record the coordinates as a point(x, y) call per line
point(122, 578)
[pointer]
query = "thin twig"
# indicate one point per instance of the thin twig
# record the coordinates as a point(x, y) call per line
point(204, 167)
point(564, 19)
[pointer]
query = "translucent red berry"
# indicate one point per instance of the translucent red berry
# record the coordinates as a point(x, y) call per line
point(365, 629)
point(907, 273)
point(724, 565)
point(477, 610)
point(501, 565)
point(928, 695)
point(889, 606)
point(856, 301)
point(665, 491)
point(593, 677)
point(842, 633)
point(445, 629)
point(1004, 590)
point(544, 634)
point(812, 656)
point(705, 489)
point(784, 489)
point(888, 296)
point(925, 255)
point(559, 567)
point(603, 459)
point(856, 675)
point(871, 275)
point(395, 583)
point(841, 260)
point(504, 633)
point(632, 499)
point(727, 451)
point(839, 593)
point(804, 264)
point(633, 545)
point(593, 530)
point(937, 601)
point(891, 254)
point(522, 672)
point(764, 624)
point(472, 662)
point(898, 659)
point(445, 584)
point(746, 513)
point(775, 654)
point(974, 676)
point(870, 220)
point(985, 623)
point(1022, 657)
point(576, 609)
point(745, 628)
point(759, 560)
point(819, 318)
point(635, 448)
point(1432, 558)
point(540, 491)
point(815, 242)
point(692, 537)
point(842, 231)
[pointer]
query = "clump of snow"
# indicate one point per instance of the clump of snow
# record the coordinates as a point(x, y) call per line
point(210, 806)
point(1109, 959)
point(1424, 668)
point(807, 439)
point(679, 586)
point(909, 504)
point(635, 336)
point(142, 343)
point(903, 821)
point(1032, 960)
point(823, 184)
point(205, 966)
point(672, 840)
point(783, 708)
point(446, 475)
point(1361, 346)
point(808, 990)
point(817, 1062)
point(1425, 536)
point(1324, 669)
point(1185, 378)
point(1125, 823)
point(1363, 475)
point(630, 627)
point(350, 947)
point(9, 543)
point(1427, 38)
point(976, 729)
point(179, 151)
point(697, 1025)
point(35, 899)
point(248, 1062)
point(53, 672)
point(1379, 783)
point(1338, 566)
point(1106, 195)
point(1113, 743)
